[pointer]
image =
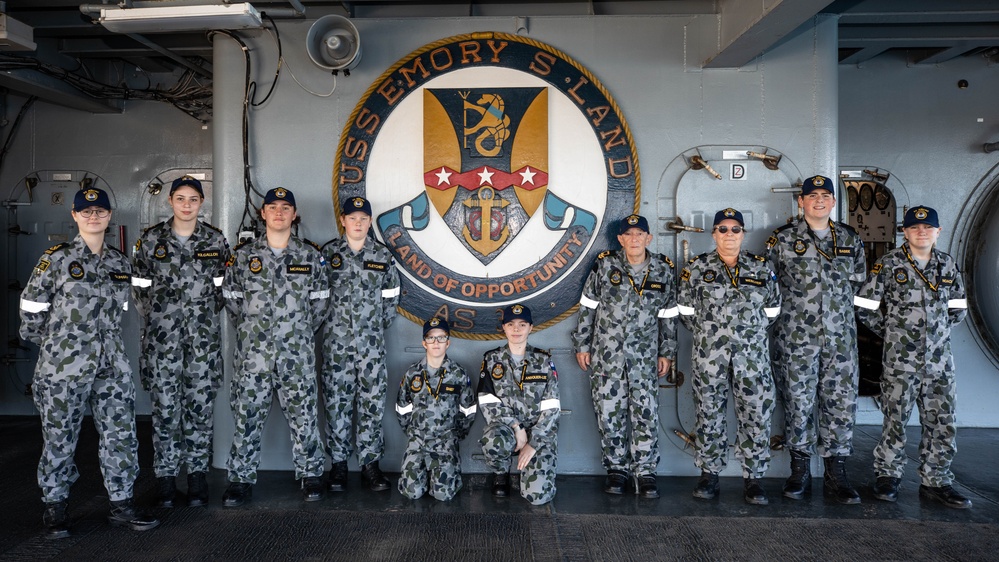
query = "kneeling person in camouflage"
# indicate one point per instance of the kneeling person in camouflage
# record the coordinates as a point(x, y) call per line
point(436, 408)
point(518, 395)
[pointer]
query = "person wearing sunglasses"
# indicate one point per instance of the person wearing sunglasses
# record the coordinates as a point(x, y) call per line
point(626, 337)
point(179, 266)
point(72, 309)
point(727, 298)
point(518, 397)
point(820, 264)
point(436, 407)
point(277, 291)
point(913, 298)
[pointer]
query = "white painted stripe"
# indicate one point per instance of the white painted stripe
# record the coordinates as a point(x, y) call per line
point(772, 311)
point(142, 282)
point(232, 294)
point(668, 312)
point(217, 281)
point(488, 399)
point(550, 404)
point(957, 303)
point(587, 302)
point(469, 411)
point(319, 294)
point(34, 307)
point(866, 303)
point(403, 410)
point(685, 310)
point(390, 293)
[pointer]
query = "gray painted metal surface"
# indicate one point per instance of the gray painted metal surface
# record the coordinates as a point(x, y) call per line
point(794, 98)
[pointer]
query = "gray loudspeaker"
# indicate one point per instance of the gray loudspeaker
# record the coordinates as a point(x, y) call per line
point(334, 43)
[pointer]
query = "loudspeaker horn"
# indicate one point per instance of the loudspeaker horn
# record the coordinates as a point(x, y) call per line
point(334, 43)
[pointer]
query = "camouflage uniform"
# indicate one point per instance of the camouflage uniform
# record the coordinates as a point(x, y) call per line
point(72, 309)
point(277, 303)
point(526, 394)
point(815, 355)
point(365, 294)
point(729, 326)
point(626, 324)
point(436, 411)
point(915, 321)
point(177, 288)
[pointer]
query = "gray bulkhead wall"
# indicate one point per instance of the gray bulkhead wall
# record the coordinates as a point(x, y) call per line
point(916, 123)
point(125, 150)
point(786, 99)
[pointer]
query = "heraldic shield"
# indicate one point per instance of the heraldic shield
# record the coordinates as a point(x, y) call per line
point(485, 162)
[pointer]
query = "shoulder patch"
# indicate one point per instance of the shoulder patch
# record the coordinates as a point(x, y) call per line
point(56, 248)
point(772, 241)
point(703, 256)
point(604, 254)
point(783, 228)
point(149, 229)
point(669, 262)
point(847, 228)
point(213, 227)
point(313, 244)
point(241, 244)
point(755, 256)
point(877, 268)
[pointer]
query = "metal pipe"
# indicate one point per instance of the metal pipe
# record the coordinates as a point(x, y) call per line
point(990, 146)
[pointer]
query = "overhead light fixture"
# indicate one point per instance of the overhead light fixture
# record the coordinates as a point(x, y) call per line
point(16, 36)
point(180, 18)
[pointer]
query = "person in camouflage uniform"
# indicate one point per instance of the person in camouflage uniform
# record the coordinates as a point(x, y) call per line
point(276, 290)
point(518, 396)
point(436, 408)
point(72, 309)
point(819, 264)
point(178, 268)
point(365, 287)
point(626, 331)
point(912, 298)
point(727, 299)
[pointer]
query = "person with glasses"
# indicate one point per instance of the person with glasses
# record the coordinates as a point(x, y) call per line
point(365, 294)
point(436, 407)
point(913, 298)
point(277, 291)
point(72, 308)
point(179, 265)
point(727, 299)
point(626, 337)
point(518, 396)
point(820, 264)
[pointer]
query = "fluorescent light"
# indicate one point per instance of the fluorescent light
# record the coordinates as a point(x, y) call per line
point(180, 18)
point(16, 36)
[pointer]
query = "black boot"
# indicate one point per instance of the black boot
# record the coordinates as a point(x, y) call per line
point(945, 495)
point(124, 514)
point(754, 492)
point(166, 491)
point(373, 477)
point(501, 484)
point(313, 489)
point(338, 477)
point(616, 482)
point(886, 488)
point(56, 520)
point(835, 483)
point(646, 486)
point(197, 489)
point(800, 481)
point(707, 486)
point(237, 494)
